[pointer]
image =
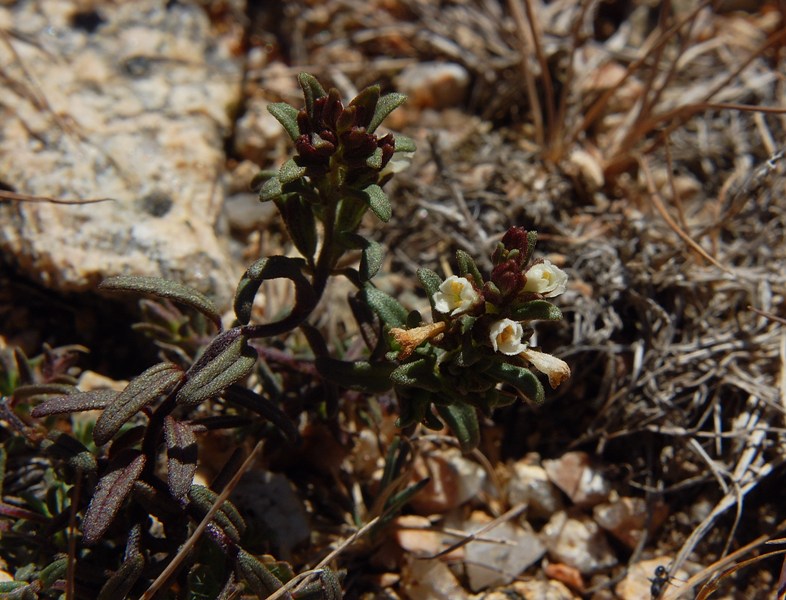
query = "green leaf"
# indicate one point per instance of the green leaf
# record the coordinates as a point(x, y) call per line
point(141, 391)
point(386, 105)
point(110, 493)
point(418, 373)
point(371, 256)
point(258, 577)
point(521, 378)
point(403, 143)
point(290, 171)
point(298, 216)
point(375, 160)
point(387, 308)
point(163, 288)
point(536, 310)
point(356, 375)
point(379, 202)
point(181, 451)
point(467, 267)
point(275, 267)
point(462, 419)
point(312, 90)
point(207, 379)
point(532, 239)
point(430, 282)
point(287, 116)
point(270, 190)
point(53, 571)
point(366, 103)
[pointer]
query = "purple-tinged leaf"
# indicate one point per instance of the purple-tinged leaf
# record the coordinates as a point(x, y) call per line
point(207, 379)
point(181, 451)
point(74, 402)
point(110, 493)
point(164, 288)
point(142, 390)
point(120, 583)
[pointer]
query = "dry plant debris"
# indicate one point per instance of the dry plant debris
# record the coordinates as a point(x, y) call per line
point(645, 141)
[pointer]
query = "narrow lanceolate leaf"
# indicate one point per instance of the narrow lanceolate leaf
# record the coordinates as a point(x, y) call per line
point(120, 583)
point(272, 267)
point(111, 491)
point(142, 390)
point(537, 310)
point(181, 452)
point(75, 402)
point(387, 308)
point(521, 378)
point(463, 422)
point(164, 288)
point(52, 572)
point(384, 106)
point(403, 143)
point(371, 260)
point(430, 282)
point(290, 171)
point(208, 379)
point(467, 266)
point(261, 581)
point(312, 90)
point(379, 202)
point(287, 116)
point(270, 190)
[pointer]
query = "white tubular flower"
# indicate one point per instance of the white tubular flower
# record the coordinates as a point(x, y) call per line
point(505, 336)
point(547, 279)
point(455, 296)
point(555, 368)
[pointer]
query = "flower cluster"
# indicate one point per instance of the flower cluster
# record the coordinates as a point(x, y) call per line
point(480, 336)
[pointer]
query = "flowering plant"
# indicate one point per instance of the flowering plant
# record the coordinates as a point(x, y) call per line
point(477, 350)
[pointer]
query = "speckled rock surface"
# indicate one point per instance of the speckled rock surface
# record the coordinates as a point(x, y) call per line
point(131, 102)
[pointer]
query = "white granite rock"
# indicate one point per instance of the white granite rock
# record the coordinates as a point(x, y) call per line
point(128, 101)
point(492, 563)
point(530, 484)
point(575, 475)
point(430, 580)
point(579, 542)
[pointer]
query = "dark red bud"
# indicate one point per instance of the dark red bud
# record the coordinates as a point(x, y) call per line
point(303, 122)
point(508, 277)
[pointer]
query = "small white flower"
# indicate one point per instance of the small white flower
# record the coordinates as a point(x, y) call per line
point(547, 279)
point(455, 296)
point(506, 336)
